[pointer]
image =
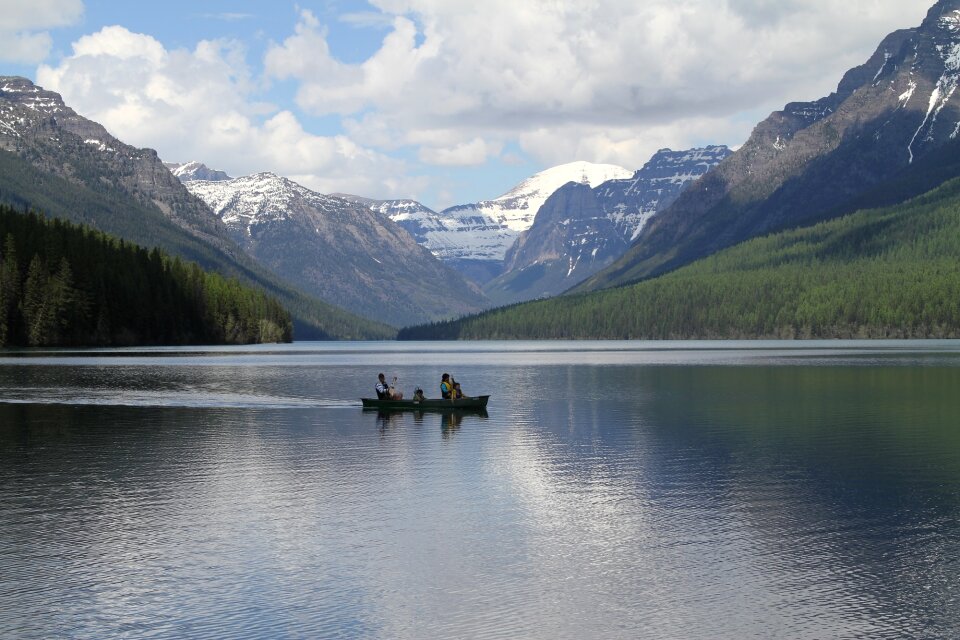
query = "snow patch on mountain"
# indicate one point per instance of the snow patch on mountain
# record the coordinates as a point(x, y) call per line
point(633, 202)
point(486, 229)
point(904, 97)
point(517, 208)
point(483, 231)
point(101, 146)
point(946, 85)
point(194, 170)
point(255, 199)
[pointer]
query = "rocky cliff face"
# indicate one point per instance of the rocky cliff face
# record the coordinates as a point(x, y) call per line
point(341, 251)
point(890, 120)
point(633, 202)
point(570, 239)
point(190, 171)
point(55, 160)
point(39, 128)
point(579, 230)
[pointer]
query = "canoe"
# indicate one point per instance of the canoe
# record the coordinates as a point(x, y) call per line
point(473, 403)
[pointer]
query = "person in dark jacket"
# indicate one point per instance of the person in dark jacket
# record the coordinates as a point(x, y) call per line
point(387, 391)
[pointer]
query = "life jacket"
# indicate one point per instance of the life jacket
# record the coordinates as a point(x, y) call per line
point(445, 390)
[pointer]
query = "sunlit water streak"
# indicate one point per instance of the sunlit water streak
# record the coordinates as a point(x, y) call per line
point(616, 490)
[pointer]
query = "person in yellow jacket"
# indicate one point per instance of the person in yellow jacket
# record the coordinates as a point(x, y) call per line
point(446, 387)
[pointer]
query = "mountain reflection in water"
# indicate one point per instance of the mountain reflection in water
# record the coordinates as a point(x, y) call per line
point(613, 490)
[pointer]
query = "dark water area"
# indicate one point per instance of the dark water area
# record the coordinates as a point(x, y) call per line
point(612, 489)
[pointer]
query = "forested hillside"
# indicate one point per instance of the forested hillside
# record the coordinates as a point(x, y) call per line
point(66, 284)
point(815, 161)
point(892, 272)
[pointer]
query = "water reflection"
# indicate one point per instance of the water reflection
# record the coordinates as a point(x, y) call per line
point(448, 421)
point(777, 500)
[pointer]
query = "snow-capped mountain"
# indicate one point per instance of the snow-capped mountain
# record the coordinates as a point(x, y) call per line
point(486, 229)
point(55, 160)
point(194, 170)
point(341, 251)
point(38, 127)
point(580, 230)
point(631, 203)
point(517, 208)
point(889, 132)
point(474, 238)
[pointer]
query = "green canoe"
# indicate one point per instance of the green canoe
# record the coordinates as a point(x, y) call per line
point(474, 403)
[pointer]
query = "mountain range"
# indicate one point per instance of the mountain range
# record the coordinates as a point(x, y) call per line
point(767, 243)
point(338, 250)
point(887, 133)
point(474, 238)
point(58, 162)
point(541, 238)
point(580, 230)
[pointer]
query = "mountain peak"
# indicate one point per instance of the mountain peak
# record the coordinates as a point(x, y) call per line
point(338, 250)
point(892, 120)
point(579, 229)
point(29, 111)
point(534, 191)
point(19, 90)
point(195, 170)
point(257, 198)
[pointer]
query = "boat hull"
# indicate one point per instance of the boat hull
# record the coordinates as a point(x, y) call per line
point(475, 403)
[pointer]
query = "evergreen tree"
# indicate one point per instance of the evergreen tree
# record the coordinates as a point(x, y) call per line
point(35, 308)
point(84, 288)
point(66, 307)
point(9, 289)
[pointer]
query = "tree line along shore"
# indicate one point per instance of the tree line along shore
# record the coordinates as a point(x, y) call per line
point(63, 284)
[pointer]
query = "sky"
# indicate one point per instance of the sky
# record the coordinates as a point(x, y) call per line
point(443, 101)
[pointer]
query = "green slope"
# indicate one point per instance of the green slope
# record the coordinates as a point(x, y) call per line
point(120, 214)
point(65, 284)
point(892, 272)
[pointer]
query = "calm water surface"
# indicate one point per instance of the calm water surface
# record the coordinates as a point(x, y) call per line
point(613, 490)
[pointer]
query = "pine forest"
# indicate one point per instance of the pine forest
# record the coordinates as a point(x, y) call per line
point(883, 273)
point(63, 284)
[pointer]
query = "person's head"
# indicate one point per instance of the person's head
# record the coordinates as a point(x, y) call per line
point(381, 377)
point(445, 377)
point(456, 386)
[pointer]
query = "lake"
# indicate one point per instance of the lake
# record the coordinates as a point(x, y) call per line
point(611, 490)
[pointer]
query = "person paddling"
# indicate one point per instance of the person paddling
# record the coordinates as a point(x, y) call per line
point(446, 387)
point(387, 391)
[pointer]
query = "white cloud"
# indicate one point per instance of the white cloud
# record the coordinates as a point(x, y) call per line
point(24, 27)
point(28, 48)
point(201, 104)
point(455, 82)
point(590, 74)
point(474, 152)
point(17, 15)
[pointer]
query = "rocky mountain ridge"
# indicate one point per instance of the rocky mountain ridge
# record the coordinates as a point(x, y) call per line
point(889, 118)
point(474, 238)
point(195, 170)
point(580, 230)
point(40, 128)
point(339, 250)
point(67, 166)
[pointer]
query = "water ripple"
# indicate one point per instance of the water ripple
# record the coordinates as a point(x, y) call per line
point(593, 501)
